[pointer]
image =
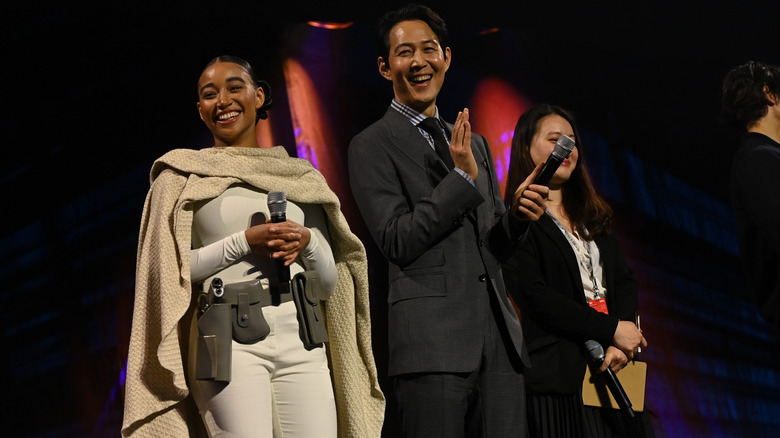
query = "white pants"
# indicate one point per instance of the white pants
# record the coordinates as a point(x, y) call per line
point(277, 388)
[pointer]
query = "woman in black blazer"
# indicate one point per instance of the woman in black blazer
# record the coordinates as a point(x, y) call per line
point(571, 282)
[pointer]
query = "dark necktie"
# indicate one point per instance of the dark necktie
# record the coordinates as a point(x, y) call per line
point(432, 126)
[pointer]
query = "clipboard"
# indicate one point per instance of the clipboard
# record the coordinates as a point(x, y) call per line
point(632, 378)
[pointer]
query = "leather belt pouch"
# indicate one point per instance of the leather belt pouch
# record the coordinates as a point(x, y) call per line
point(246, 311)
point(214, 355)
point(305, 288)
point(228, 312)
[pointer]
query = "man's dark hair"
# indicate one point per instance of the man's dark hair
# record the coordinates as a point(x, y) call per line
point(409, 12)
point(744, 100)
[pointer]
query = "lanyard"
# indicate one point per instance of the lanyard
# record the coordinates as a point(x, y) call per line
point(586, 259)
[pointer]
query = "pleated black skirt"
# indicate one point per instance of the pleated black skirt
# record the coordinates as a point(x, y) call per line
point(564, 416)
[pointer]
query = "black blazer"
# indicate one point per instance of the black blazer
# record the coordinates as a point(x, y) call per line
point(754, 189)
point(441, 237)
point(543, 278)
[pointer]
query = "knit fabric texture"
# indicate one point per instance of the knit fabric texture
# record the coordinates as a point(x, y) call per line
point(157, 399)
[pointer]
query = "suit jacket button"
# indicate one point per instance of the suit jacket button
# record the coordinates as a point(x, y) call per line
point(482, 277)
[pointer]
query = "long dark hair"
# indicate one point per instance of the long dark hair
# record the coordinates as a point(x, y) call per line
point(589, 214)
point(262, 112)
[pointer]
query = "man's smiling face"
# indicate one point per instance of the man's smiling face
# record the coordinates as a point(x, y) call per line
point(416, 65)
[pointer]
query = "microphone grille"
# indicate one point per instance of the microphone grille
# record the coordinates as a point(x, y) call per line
point(277, 203)
point(563, 146)
point(595, 350)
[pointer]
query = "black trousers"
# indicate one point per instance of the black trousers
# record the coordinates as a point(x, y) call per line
point(488, 402)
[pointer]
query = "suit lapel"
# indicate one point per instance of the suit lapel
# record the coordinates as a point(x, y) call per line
point(484, 180)
point(408, 140)
point(557, 237)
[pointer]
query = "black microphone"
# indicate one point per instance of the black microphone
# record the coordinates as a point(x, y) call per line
point(562, 149)
point(277, 206)
point(596, 356)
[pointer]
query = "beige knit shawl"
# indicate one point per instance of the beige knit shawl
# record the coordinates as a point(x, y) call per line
point(157, 401)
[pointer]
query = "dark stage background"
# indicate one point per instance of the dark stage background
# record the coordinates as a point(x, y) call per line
point(94, 93)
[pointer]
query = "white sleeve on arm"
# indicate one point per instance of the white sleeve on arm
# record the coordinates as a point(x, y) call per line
point(211, 258)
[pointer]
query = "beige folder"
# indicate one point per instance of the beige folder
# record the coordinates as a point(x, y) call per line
point(632, 378)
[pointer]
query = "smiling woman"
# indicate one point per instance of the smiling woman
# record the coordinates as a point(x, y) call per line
point(226, 90)
point(216, 333)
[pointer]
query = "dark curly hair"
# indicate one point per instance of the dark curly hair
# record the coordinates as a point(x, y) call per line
point(262, 112)
point(409, 12)
point(745, 90)
point(589, 213)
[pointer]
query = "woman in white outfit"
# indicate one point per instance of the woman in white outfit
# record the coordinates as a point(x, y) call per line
point(207, 210)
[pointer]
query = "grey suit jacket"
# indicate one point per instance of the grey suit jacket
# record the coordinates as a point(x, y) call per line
point(443, 239)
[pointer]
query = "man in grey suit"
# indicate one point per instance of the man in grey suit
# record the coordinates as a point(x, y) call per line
point(456, 349)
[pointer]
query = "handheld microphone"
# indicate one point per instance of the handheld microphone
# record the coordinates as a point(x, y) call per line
point(596, 356)
point(562, 149)
point(277, 206)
